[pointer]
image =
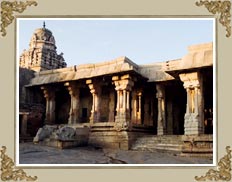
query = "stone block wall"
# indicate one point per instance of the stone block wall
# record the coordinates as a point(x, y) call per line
point(25, 75)
point(197, 145)
point(35, 117)
point(109, 139)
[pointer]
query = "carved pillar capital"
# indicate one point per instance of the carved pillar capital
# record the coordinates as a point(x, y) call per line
point(160, 91)
point(190, 80)
point(124, 82)
point(73, 89)
point(48, 92)
point(94, 86)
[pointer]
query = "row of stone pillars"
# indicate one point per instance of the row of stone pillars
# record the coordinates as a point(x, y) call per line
point(124, 118)
point(123, 87)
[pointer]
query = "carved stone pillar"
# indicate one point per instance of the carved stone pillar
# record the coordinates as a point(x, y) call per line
point(24, 123)
point(95, 90)
point(123, 86)
point(193, 116)
point(74, 92)
point(133, 107)
point(139, 109)
point(161, 122)
point(111, 107)
point(49, 94)
point(136, 114)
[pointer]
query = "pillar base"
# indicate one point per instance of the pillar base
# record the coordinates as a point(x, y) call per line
point(94, 118)
point(192, 125)
point(122, 121)
point(161, 131)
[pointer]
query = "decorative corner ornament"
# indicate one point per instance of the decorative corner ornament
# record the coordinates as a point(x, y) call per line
point(7, 9)
point(221, 7)
point(9, 171)
point(224, 169)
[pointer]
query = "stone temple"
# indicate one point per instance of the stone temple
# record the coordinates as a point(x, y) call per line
point(116, 104)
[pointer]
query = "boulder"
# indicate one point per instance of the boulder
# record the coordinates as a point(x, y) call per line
point(44, 133)
point(66, 133)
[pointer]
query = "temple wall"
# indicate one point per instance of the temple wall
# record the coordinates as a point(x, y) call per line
point(31, 101)
point(25, 76)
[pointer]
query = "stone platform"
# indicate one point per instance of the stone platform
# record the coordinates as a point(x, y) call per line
point(104, 135)
point(197, 145)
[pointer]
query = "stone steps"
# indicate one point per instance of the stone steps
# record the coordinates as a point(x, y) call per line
point(151, 143)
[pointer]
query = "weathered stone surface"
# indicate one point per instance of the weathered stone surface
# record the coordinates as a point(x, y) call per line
point(24, 79)
point(198, 56)
point(110, 139)
point(197, 145)
point(36, 154)
point(44, 133)
point(62, 136)
point(121, 64)
point(66, 133)
point(42, 54)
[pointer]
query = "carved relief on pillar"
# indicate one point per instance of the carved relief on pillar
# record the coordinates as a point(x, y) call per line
point(123, 87)
point(49, 94)
point(161, 122)
point(95, 89)
point(74, 92)
point(193, 115)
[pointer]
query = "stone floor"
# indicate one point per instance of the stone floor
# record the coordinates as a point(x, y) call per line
point(36, 154)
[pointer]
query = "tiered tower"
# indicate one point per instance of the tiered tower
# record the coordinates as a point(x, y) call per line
point(42, 54)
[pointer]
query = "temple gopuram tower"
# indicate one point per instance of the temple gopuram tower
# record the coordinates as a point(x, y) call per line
point(42, 54)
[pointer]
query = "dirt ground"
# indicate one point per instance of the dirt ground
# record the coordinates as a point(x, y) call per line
point(30, 153)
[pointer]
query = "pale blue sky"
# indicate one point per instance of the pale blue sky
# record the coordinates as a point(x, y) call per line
point(143, 41)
